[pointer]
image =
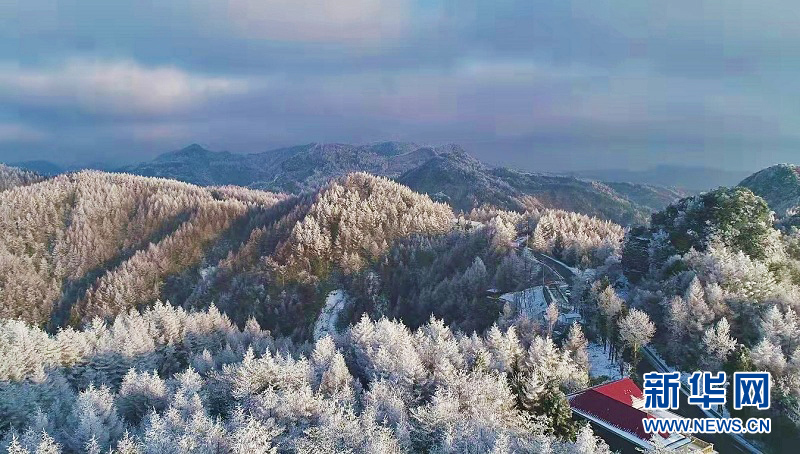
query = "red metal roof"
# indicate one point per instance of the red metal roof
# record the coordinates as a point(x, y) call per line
point(612, 411)
point(621, 390)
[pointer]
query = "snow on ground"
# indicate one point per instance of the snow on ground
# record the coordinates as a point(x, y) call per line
point(326, 322)
point(529, 302)
point(599, 364)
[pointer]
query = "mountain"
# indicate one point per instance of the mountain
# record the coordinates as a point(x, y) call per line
point(11, 177)
point(447, 173)
point(45, 168)
point(779, 185)
point(464, 182)
point(94, 244)
point(684, 177)
point(294, 169)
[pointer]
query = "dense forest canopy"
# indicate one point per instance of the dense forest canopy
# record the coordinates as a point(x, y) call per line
point(11, 177)
point(720, 277)
point(144, 315)
point(93, 244)
point(166, 380)
point(93, 361)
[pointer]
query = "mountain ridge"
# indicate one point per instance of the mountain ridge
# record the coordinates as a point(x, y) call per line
point(446, 172)
point(296, 169)
point(11, 177)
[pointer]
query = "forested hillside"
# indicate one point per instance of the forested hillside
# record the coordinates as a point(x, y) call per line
point(577, 239)
point(284, 270)
point(466, 183)
point(94, 244)
point(722, 286)
point(92, 361)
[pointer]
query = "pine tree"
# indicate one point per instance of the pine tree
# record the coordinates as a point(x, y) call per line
point(553, 404)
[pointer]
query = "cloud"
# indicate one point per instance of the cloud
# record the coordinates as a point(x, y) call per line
point(115, 87)
point(584, 77)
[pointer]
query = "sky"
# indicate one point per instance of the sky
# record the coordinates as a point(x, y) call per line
point(549, 85)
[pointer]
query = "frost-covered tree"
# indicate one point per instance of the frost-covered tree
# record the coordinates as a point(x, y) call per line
point(577, 344)
point(379, 388)
point(96, 419)
point(139, 394)
point(718, 344)
point(636, 330)
point(609, 305)
point(551, 317)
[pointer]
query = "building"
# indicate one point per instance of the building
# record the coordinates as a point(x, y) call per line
point(616, 411)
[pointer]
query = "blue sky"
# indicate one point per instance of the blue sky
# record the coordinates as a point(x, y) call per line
point(544, 85)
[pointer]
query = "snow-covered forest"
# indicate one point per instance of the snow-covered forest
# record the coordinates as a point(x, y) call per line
point(91, 360)
point(168, 380)
point(720, 278)
point(12, 177)
point(576, 238)
point(148, 315)
point(94, 244)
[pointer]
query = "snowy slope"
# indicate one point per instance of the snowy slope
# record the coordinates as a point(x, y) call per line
point(326, 322)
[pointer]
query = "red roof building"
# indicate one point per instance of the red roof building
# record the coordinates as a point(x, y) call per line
point(602, 406)
point(621, 391)
point(617, 408)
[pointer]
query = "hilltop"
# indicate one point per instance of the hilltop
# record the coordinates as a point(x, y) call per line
point(779, 185)
point(294, 169)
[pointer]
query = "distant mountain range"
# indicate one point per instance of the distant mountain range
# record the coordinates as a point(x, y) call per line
point(295, 169)
point(465, 183)
point(447, 173)
point(684, 177)
point(41, 167)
